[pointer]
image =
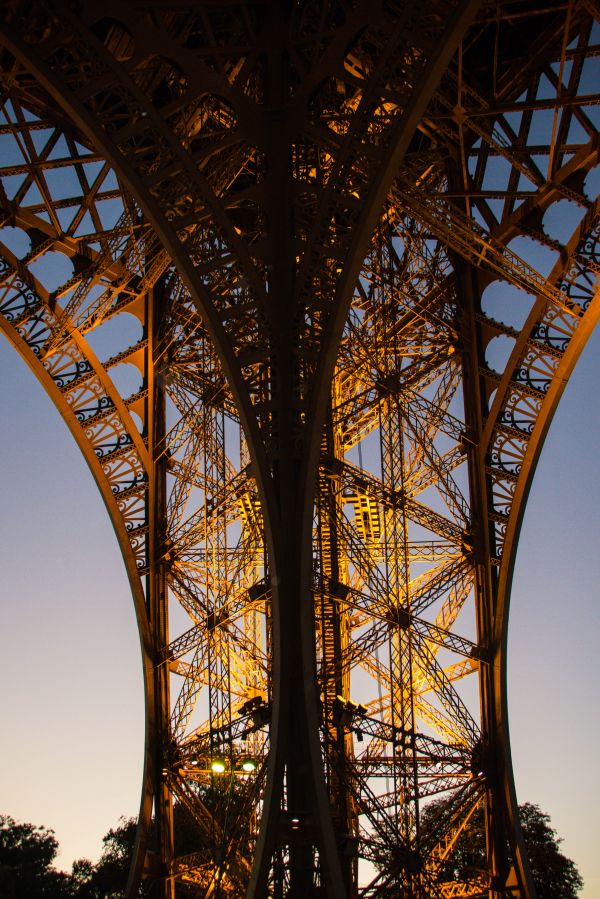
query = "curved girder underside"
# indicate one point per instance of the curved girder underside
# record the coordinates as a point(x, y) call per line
point(292, 224)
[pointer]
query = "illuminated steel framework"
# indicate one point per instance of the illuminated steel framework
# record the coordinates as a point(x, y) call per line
point(292, 274)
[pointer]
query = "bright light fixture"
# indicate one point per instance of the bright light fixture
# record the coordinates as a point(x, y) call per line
point(217, 766)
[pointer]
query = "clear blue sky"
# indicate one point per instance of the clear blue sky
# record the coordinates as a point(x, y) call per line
point(555, 626)
point(71, 703)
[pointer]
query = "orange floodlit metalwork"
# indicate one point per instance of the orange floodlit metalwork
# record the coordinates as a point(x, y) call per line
point(278, 266)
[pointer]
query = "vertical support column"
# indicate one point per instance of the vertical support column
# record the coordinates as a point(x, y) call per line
point(332, 624)
point(297, 817)
point(157, 597)
point(397, 572)
point(402, 715)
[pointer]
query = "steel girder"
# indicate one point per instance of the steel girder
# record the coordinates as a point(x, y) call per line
point(290, 220)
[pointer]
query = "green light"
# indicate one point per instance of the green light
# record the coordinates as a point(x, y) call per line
point(217, 766)
point(248, 765)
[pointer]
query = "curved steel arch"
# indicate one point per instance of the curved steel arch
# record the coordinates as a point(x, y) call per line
point(262, 175)
point(81, 389)
point(582, 244)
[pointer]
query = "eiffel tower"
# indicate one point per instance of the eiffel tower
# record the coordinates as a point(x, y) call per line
point(322, 235)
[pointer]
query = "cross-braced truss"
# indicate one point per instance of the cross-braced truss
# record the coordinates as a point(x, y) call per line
point(288, 271)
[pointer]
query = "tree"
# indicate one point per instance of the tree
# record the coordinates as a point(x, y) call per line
point(26, 856)
point(27, 853)
point(555, 876)
point(107, 879)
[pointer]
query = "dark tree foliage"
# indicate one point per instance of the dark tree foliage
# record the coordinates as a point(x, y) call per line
point(107, 879)
point(555, 876)
point(26, 856)
point(27, 853)
point(468, 858)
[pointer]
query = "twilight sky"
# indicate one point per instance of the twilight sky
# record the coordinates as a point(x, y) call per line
point(72, 701)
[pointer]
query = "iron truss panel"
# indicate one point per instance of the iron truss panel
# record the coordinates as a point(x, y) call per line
point(289, 273)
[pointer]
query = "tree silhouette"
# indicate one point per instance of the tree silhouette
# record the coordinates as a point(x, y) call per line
point(27, 853)
point(26, 856)
point(555, 876)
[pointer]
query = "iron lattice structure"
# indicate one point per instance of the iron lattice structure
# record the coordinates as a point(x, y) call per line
point(319, 236)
